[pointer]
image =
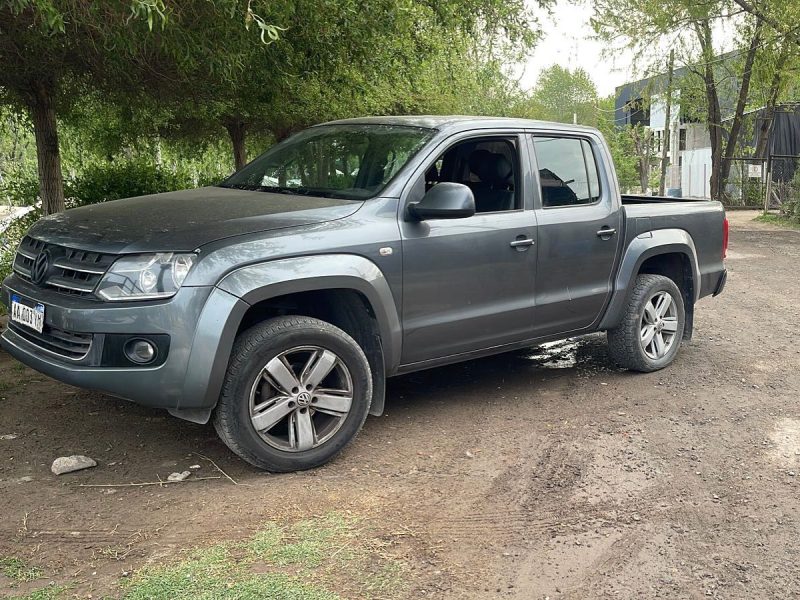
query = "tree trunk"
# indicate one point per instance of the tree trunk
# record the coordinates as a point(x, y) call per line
point(738, 116)
point(667, 126)
point(714, 114)
point(45, 129)
point(772, 101)
point(237, 130)
point(641, 144)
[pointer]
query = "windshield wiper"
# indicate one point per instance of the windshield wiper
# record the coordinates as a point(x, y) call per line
point(302, 191)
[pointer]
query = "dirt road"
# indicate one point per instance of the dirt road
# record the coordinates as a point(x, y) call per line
point(529, 475)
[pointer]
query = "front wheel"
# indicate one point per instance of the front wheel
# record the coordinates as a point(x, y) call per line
point(296, 392)
point(649, 336)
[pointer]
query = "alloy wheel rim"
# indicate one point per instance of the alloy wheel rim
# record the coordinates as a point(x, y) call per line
point(659, 325)
point(301, 398)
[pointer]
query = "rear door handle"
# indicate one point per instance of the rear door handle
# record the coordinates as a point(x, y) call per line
point(522, 243)
point(606, 233)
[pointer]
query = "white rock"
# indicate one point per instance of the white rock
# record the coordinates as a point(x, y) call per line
point(179, 476)
point(8, 436)
point(67, 464)
point(194, 466)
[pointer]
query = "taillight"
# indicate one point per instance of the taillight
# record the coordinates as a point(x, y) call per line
point(725, 237)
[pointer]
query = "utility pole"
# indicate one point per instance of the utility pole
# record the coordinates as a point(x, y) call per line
point(667, 125)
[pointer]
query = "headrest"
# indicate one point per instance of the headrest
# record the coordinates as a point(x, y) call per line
point(494, 169)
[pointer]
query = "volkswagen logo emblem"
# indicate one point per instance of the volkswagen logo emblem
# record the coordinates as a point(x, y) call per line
point(40, 267)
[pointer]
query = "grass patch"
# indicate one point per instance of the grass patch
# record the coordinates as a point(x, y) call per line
point(51, 592)
point(18, 570)
point(305, 544)
point(215, 573)
point(302, 561)
point(778, 220)
point(325, 558)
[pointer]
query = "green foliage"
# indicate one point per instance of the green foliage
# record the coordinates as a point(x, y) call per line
point(51, 592)
point(780, 220)
point(620, 143)
point(561, 95)
point(124, 180)
point(18, 570)
point(19, 190)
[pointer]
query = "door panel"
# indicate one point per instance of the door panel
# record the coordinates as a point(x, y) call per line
point(465, 287)
point(578, 236)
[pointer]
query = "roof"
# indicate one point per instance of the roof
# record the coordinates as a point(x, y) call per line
point(457, 122)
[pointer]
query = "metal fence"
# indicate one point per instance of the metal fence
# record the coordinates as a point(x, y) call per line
point(769, 183)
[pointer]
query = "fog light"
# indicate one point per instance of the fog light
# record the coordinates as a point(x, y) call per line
point(140, 351)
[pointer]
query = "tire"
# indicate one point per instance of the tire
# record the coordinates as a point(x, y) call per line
point(298, 350)
point(628, 342)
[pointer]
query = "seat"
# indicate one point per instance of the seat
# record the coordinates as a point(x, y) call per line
point(495, 191)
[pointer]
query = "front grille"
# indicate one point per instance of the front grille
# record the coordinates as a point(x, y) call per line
point(71, 271)
point(67, 344)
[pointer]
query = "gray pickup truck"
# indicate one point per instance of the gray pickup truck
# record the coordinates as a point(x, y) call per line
point(277, 303)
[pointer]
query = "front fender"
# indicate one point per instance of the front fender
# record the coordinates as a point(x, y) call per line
point(642, 247)
point(255, 283)
point(240, 289)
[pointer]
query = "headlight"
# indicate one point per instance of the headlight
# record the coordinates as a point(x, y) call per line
point(145, 276)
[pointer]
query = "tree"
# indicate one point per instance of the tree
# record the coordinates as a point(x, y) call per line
point(648, 25)
point(621, 144)
point(200, 68)
point(54, 51)
point(338, 60)
point(564, 96)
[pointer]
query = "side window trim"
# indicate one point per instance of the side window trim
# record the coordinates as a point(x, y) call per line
point(532, 135)
point(587, 147)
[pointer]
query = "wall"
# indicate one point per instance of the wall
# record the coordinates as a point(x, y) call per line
point(696, 172)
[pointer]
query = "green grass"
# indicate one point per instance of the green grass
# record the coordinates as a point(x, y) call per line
point(18, 570)
point(778, 220)
point(51, 592)
point(215, 573)
point(305, 544)
point(314, 559)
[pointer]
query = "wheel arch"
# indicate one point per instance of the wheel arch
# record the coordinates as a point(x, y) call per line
point(348, 291)
point(668, 252)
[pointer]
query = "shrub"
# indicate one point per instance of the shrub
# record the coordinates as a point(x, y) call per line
point(101, 183)
point(19, 190)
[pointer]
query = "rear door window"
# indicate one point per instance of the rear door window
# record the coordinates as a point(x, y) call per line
point(567, 171)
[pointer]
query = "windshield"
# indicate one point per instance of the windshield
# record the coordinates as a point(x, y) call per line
point(353, 162)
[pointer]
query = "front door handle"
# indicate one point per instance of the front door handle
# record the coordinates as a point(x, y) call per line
point(606, 233)
point(522, 243)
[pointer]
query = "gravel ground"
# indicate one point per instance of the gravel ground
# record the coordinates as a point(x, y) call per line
point(546, 473)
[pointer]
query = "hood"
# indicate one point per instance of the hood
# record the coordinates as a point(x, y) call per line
point(185, 220)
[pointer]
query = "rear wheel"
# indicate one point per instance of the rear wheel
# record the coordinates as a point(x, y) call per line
point(649, 336)
point(296, 392)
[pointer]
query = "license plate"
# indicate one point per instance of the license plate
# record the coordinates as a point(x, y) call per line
point(30, 316)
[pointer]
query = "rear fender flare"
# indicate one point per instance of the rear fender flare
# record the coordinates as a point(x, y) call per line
point(642, 247)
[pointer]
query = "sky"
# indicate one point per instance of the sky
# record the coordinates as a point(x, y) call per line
point(567, 42)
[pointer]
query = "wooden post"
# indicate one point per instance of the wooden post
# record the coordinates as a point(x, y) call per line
point(768, 187)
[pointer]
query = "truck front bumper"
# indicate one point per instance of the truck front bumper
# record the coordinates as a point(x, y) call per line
point(81, 341)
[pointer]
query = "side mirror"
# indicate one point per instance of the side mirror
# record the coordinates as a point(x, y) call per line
point(445, 200)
